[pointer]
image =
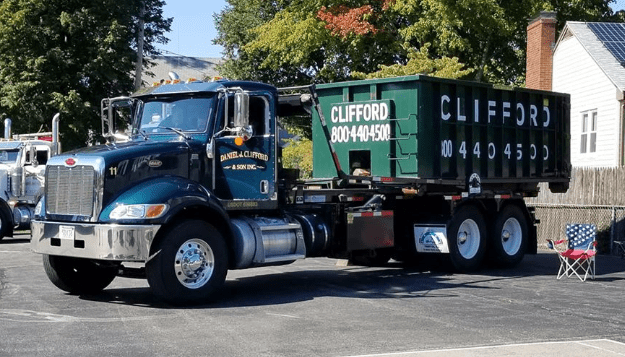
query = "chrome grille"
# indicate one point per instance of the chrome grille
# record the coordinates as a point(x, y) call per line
point(70, 190)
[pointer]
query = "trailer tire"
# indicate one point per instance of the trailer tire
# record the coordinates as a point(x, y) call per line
point(509, 237)
point(78, 276)
point(466, 234)
point(189, 265)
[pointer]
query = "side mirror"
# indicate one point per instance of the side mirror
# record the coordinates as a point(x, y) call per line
point(210, 149)
point(241, 110)
point(31, 158)
point(116, 114)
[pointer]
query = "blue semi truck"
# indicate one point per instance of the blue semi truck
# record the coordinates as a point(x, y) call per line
point(191, 183)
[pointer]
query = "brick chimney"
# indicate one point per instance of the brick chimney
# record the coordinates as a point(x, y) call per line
point(541, 35)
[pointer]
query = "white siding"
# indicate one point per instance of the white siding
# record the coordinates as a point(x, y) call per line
point(576, 73)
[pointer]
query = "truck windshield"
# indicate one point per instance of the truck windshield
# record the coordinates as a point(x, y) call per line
point(9, 156)
point(185, 114)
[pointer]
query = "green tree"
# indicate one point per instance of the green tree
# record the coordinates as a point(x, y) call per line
point(299, 41)
point(66, 55)
point(290, 44)
point(298, 155)
point(420, 62)
point(489, 36)
point(234, 25)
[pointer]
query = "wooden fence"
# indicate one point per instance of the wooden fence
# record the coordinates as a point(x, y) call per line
point(605, 186)
point(595, 196)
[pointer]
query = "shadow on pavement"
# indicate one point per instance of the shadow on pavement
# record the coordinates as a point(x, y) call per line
point(431, 278)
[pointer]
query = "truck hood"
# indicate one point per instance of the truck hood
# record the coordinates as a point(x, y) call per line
point(127, 150)
point(120, 166)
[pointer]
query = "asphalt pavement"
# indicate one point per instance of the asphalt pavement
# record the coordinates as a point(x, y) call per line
point(323, 307)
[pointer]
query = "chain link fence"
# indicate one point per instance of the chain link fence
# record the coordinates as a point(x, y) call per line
point(610, 222)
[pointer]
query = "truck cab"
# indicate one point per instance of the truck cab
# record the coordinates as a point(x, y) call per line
point(198, 156)
point(235, 158)
point(23, 160)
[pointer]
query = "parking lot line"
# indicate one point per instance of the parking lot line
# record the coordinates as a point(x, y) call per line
point(595, 348)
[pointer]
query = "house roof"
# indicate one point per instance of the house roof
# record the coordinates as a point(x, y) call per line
point(602, 40)
point(185, 67)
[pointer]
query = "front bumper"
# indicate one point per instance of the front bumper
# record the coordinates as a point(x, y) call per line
point(113, 242)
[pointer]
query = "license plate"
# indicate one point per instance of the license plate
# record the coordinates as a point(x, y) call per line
point(66, 232)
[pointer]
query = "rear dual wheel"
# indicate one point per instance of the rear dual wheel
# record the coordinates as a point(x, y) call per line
point(466, 234)
point(509, 237)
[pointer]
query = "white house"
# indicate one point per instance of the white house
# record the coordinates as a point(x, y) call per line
point(588, 63)
point(588, 60)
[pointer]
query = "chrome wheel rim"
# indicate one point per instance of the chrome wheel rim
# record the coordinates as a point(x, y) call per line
point(194, 263)
point(511, 236)
point(468, 239)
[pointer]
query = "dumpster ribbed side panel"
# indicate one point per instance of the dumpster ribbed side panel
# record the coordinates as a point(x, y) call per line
point(497, 134)
point(429, 128)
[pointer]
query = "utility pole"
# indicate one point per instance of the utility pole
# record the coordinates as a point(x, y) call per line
point(139, 66)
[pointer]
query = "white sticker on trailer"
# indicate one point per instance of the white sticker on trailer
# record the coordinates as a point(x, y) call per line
point(315, 198)
point(431, 239)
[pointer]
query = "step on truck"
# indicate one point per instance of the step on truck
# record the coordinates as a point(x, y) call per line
point(402, 168)
point(23, 159)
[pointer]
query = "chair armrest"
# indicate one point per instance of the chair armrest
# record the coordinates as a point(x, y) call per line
point(551, 244)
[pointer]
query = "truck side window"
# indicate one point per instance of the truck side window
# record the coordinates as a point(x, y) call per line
point(259, 112)
point(42, 157)
point(230, 123)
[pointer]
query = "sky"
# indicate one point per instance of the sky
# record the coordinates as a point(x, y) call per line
point(193, 28)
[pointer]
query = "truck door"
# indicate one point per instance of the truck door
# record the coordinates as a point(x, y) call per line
point(245, 170)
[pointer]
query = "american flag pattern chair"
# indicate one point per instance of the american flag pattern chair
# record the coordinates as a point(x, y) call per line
point(577, 252)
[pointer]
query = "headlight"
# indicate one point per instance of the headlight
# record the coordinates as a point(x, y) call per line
point(39, 208)
point(138, 211)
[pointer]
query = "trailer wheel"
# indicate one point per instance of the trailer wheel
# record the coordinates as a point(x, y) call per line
point(509, 237)
point(190, 264)
point(466, 233)
point(78, 276)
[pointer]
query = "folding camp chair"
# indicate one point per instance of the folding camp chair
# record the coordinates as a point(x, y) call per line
point(577, 252)
point(620, 247)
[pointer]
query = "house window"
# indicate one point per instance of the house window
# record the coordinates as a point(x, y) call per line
point(588, 142)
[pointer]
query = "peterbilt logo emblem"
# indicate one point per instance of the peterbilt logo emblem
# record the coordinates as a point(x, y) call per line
point(155, 163)
point(70, 162)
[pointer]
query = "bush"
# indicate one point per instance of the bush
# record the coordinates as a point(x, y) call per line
point(298, 155)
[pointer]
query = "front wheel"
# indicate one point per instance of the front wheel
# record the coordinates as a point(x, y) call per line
point(509, 237)
point(466, 234)
point(78, 276)
point(190, 264)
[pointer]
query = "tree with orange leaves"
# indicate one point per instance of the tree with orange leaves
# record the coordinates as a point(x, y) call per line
point(343, 21)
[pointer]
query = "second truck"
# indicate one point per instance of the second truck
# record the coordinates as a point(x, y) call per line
point(23, 159)
point(402, 167)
